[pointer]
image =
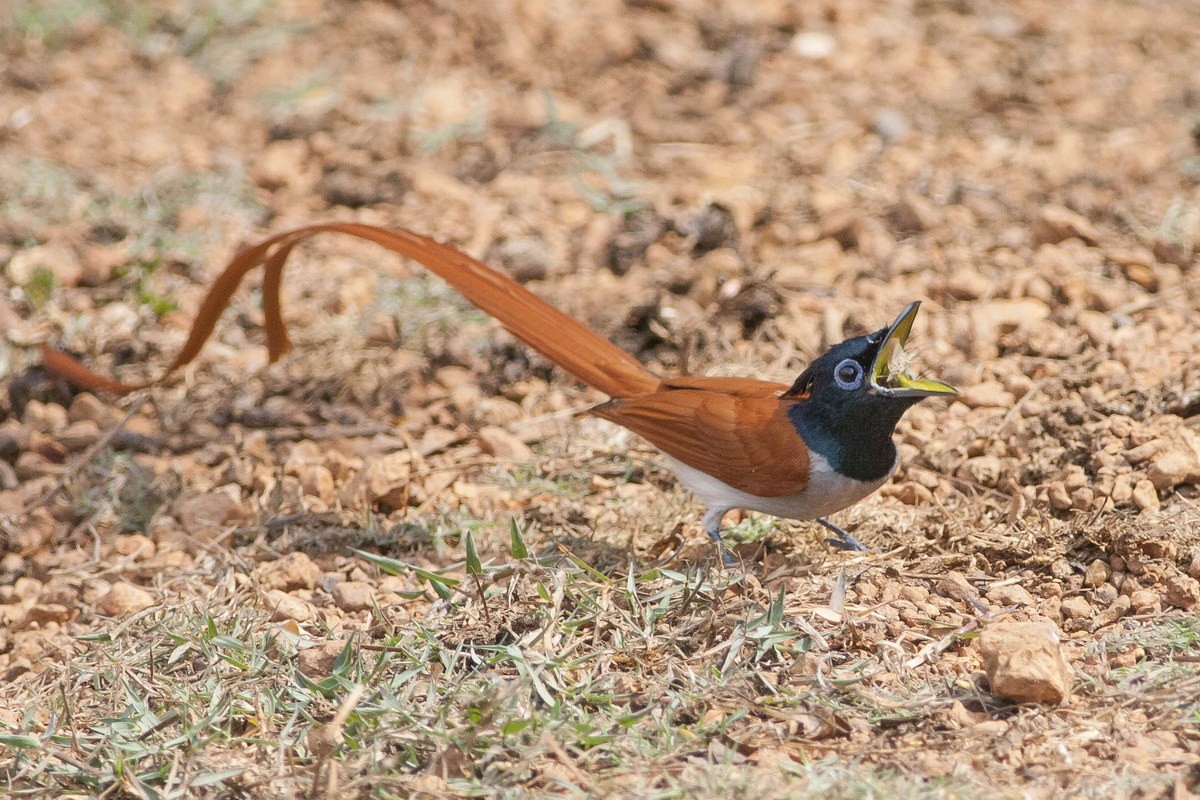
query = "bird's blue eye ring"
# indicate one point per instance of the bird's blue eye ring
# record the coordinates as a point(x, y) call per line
point(848, 374)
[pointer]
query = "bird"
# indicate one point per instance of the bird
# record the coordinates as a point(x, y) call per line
point(801, 451)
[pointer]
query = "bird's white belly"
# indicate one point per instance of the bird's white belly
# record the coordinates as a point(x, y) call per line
point(827, 491)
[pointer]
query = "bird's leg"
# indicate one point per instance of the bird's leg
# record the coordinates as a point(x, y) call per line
point(844, 541)
point(712, 526)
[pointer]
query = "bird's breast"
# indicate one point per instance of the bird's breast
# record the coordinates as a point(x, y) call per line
point(828, 491)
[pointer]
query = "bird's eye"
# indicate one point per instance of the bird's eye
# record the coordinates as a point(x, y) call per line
point(848, 375)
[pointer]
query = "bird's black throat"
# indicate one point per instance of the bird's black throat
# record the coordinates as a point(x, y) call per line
point(853, 434)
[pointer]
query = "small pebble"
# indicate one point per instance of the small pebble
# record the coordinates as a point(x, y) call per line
point(284, 606)
point(1076, 607)
point(1098, 572)
point(1145, 496)
point(125, 598)
point(293, 571)
point(1144, 601)
point(353, 595)
point(814, 45)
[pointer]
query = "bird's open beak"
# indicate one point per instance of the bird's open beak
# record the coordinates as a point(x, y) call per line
point(889, 372)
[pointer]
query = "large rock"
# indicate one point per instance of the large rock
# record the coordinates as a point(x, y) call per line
point(1024, 662)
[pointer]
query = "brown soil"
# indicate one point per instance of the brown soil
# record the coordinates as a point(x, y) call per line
point(722, 189)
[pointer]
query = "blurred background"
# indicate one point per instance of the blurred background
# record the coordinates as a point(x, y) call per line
point(718, 187)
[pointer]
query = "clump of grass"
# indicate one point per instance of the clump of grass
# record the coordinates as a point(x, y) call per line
point(752, 528)
point(40, 288)
point(490, 699)
point(119, 488)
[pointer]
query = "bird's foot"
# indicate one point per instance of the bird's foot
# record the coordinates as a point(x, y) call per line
point(844, 541)
point(712, 526)
point(728, 559)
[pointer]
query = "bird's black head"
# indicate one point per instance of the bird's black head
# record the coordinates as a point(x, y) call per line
point(853, 395)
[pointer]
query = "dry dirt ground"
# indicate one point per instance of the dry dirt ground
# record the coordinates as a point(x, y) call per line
point(308, 580)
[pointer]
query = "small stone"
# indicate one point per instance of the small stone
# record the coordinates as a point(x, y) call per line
point(1105, 594)
point(100, 262)
point(1145, 496)
point(963, 718)
point(1181, 591)
point(914, 214)
point(284, 163)
point(135, 545)
point(44, 613)
point(1129, 585)
point(1082, 498)
point(87, 407)
point(1174, 251)
point(1015, 595)
point(16, 668)
point(1126, 658)
point(1060, 498)
point(1143, 275)
point(80, 435)
point(284, 606)
point(317, 662)
point(208, 515)
point(44, 417)
point(814, 45)
point(1144, 451)
point(317, 481)
point(59, 593)
point(293, 571)
point(31, 466)
point(1024, 662)
point(1145, 601)
point(34, 532)
point(891, 125)
point(1173, 467)
point(912, 494)
point(1075, 607)
point(388, 479)
point(26, 588)
point(1157, 548)
point(985, 470)
point(1097, 573)
point(1119, 608)
point(1127, 256)
point(967, 284)
point(502, 444)
point(1122, 490)
point(989, 394)
point(353, 595)
point(1057, 223)
point(436, 439)
point(991, 728)
point(125, 598)
point(526, 258)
